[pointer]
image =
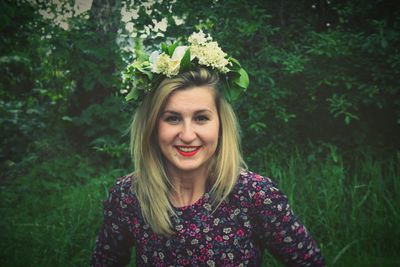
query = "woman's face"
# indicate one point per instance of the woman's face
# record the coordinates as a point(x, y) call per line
point(188, 130)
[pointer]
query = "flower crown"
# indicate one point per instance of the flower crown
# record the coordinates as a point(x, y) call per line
point(147, 71)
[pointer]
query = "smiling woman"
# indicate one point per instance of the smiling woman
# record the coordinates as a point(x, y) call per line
point(191, 200)
point(185, 112)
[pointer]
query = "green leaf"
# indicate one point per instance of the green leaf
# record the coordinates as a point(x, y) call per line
point(164, 48)
point(143, 68)
point(140, 52)
point(185, 62)
point(146, 72)
point(235, 61)
point(232, 88)
point(133, 94)
point(149, 74)
point(235, 64)
point(171, 48)
point(242, 79)
point(234, 92)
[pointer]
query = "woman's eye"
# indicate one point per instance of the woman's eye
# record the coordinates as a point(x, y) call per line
point(202, 118)
point(172, 119)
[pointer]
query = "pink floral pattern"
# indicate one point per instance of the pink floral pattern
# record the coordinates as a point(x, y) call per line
point(256, 216)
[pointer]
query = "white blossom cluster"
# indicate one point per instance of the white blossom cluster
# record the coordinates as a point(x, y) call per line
point(199, 38)
point(208, 52)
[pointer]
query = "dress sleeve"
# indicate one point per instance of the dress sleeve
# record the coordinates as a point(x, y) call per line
point(283, 234)
point(113, 243)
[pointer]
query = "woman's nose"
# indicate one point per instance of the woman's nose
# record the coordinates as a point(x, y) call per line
point(187, 134)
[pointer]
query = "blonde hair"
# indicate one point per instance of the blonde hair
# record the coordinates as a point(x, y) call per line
point(151, 183)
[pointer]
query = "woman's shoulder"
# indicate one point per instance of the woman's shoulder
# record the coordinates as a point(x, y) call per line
point(122, 188)
point(256, 187)
point(125, 182)
point(248, 178)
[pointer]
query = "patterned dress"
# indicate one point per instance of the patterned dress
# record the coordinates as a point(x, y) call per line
point(256, 216)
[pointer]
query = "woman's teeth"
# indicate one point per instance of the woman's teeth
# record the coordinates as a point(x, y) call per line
point(187, 149)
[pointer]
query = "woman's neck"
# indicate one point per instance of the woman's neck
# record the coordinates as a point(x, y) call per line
point(187, 187)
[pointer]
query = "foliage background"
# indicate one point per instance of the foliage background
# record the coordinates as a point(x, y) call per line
point(321, 115)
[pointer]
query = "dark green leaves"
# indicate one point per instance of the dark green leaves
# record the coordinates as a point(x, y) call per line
point(169, 49)
point(137, 77)
point(238, 81)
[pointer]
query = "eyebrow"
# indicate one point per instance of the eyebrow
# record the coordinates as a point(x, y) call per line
point(196, 112)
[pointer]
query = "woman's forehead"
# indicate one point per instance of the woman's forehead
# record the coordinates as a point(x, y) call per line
point(195, 98)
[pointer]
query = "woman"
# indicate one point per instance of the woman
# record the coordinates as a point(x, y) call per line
point(191, 202)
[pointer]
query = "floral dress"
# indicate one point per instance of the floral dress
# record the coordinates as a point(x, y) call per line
point(255, 216)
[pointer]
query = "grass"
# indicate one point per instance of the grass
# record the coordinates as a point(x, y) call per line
point(351, 209)
point(51, 212)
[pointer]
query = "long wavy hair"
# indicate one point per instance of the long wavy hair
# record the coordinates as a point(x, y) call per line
point(151, 183)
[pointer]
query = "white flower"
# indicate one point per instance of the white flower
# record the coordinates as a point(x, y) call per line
point(210, 54)
point(199, 38)
point(178, 20)
point(153, 59)
point(207, 52)
point(166, 65)
point(160, 25)
point(179, 52)
point(160, 63)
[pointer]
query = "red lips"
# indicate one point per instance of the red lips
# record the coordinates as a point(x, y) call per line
point(187, 151)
